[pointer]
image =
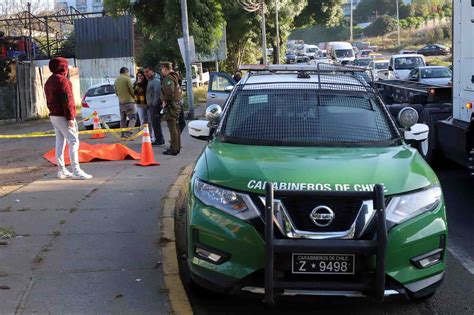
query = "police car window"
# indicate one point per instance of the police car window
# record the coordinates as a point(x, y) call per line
point(220, 83)
point(302, 117)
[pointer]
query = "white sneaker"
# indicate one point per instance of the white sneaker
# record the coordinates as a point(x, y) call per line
point(80, 174)
point(64, 174)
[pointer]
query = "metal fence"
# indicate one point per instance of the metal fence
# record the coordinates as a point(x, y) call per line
point(104, 37)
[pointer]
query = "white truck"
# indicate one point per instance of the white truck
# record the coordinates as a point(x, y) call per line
point(447, 111)
point(200, 75)
point(340, 52)
point(311, 51)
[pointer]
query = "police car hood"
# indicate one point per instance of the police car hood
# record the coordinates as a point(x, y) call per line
point(247, 168)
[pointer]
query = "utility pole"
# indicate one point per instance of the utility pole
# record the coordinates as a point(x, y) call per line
point(398, 24)
point(352, 20)
point(187, 58)
point(264, 33)
point(277, 26)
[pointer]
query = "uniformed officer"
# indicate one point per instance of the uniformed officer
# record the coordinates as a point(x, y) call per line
point(171, 95)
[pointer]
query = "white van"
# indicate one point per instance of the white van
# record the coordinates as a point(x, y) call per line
point(341, 52)
point(311, 51)
point(400, 65)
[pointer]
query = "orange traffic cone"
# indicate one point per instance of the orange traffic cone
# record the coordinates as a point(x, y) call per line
point(97, 127)
point(147, 156)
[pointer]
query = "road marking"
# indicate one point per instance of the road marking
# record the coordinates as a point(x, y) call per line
point(462, 256)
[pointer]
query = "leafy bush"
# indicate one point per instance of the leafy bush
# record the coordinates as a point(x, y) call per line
point(383, 25)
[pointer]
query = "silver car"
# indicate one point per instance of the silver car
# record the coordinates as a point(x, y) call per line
point(436, 75)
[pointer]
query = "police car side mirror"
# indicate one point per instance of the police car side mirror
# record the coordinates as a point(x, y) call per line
point(199, 129)
point(213, 114)
point(228, 88)
point(418, 132)
point(390, 68)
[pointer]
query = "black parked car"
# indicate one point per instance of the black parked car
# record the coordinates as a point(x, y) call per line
point(434, 50)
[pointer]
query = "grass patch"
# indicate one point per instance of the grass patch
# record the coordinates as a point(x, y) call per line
point(56, 233)
point(62, 221)
point(38, 259)
point(7, 232)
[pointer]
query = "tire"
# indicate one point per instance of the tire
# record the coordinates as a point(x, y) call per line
point(427, 148)
point(180, 228)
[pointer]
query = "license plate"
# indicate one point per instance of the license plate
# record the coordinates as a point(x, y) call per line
point(106, 118)
point(343, 264)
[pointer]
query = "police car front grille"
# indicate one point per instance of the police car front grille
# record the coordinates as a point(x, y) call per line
point(299, 210)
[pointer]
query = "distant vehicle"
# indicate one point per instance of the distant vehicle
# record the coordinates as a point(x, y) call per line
point(311, 51)
point(376, 56)
point(407, 52)
point(434, 50)
point(362, 62)
point(290, 57)
point(364, 53)
point(437, 75)
point(323, 46)
point(361, 45)
point(100, 98)
point(340, 52)
point(373, 47)
point(379, 69)
point(322, 53)
point(302, 59)
point(400, 65)
point(356, 50)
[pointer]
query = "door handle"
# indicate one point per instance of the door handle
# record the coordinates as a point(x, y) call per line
point(213, 96)
point(103, 101)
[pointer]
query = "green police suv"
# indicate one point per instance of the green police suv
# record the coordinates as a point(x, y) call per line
point(308, 186)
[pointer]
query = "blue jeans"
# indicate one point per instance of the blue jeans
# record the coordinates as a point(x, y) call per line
point(146, 117)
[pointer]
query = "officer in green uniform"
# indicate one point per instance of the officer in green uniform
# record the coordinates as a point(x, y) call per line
point(171, 95)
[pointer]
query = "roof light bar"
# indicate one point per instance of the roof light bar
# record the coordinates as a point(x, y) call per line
point(301, 67)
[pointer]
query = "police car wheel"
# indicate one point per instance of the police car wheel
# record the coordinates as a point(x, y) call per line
point(180, 226)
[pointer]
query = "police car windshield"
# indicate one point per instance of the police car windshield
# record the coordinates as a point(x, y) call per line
point(307, 117)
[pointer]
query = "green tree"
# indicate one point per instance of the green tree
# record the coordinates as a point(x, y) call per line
point(320, 12)
point(383, 25)
point(368, 9)
point(161, 25)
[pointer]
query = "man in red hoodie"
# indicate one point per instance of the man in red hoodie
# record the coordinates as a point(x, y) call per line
point(62, 113)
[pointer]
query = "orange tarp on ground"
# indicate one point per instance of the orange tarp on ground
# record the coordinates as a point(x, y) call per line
point(90, 152)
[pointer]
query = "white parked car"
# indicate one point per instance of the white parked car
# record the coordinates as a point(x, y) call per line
point(379, 69)
point(436, 75)
point(400, 65)
point(102, 99)
point(311, 51)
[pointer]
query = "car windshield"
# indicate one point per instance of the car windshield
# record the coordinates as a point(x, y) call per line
point(344, 53)
point(381, 65)
point(101, 90)
point(408, 63)
point(362, 62)
point(306, 117)
point(311, 50)
point(435, 73)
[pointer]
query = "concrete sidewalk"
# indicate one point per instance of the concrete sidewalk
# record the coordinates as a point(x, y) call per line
point(89, 246)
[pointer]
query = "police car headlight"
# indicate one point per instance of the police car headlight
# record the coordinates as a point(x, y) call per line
point(405, 207)
point(236, 204)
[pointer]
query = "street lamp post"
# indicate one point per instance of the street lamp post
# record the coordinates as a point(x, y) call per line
point(398, 24)
point(352, 20)
point(277, 50)
point(264, 32)
point(187, 58)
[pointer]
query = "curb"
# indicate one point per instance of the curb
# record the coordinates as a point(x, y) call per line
point(173, 201)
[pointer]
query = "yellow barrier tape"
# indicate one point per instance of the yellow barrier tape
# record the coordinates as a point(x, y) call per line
point(84, 132)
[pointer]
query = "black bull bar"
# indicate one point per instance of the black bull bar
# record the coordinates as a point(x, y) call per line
point(376, 246)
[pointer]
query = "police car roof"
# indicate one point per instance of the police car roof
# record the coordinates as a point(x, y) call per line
point(269, 77)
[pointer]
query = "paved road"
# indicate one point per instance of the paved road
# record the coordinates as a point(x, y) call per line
point(456, 295)
point(88, 247)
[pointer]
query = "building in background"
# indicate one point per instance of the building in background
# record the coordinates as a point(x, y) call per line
point(80, 5)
